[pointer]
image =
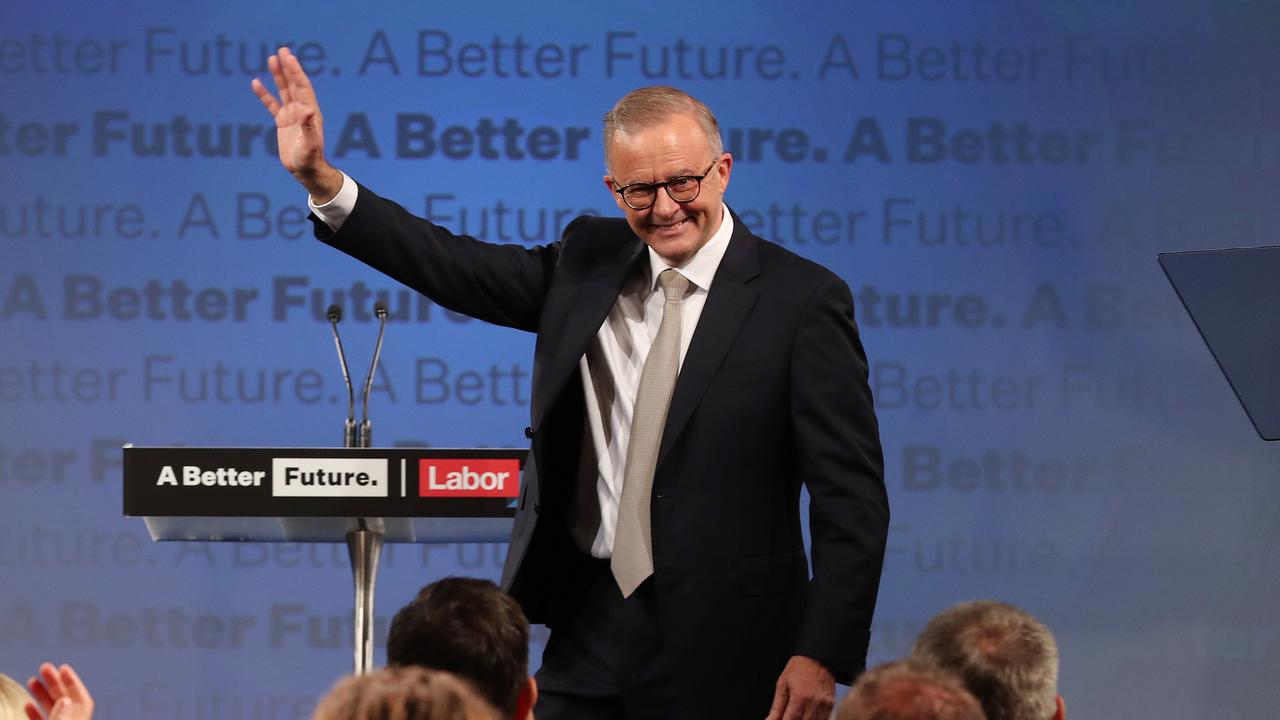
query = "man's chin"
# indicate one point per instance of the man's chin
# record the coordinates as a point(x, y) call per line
point(674, 250)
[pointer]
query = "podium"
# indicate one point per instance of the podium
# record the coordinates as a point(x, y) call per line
point(1233, 296)
point(361, 496)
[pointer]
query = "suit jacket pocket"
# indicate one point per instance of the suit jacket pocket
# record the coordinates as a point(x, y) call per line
point(769, 574)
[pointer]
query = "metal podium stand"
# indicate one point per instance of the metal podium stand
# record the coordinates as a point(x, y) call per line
point(361, 496)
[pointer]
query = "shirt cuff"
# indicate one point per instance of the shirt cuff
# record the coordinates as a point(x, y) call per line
point(336, 211)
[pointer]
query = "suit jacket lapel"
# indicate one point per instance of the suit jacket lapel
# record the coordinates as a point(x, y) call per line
point(727, 307)
point(597, 289)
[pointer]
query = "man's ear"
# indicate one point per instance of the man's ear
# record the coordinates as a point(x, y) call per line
point(1062, 710)
point(724, 170)
point(617, 199)
point(527, 699)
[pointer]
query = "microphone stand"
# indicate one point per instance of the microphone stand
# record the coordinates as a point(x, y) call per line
point(349, 427)
point(364, 544)
point(366, 426)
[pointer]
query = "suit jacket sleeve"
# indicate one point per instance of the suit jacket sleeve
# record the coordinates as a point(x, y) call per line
point(840, 461)
point(500, 284)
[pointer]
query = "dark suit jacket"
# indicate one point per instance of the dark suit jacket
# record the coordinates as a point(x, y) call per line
point(772, 395)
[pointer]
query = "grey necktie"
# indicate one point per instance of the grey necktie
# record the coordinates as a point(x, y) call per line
point(632, 545)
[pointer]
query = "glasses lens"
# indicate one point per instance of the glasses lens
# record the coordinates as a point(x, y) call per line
point(683, 189)
point(639, 197)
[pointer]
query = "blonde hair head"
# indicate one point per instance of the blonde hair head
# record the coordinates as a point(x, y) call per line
point(13, 699)
point(404, 693)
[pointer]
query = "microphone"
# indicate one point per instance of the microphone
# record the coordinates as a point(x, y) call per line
point(366, 425)
point(349, 427)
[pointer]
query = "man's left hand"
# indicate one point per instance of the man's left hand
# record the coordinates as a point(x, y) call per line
point(806, 690)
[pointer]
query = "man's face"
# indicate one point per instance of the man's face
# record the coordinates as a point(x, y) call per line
point(676, 147)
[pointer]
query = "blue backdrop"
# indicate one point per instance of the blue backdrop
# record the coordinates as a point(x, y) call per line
point(993, 180)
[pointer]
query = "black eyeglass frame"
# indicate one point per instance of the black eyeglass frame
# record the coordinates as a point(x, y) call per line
point(666, 185)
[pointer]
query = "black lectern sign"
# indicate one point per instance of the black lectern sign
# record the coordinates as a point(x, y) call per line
point(319, 482)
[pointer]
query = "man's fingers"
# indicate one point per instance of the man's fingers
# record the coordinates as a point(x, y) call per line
point(268, 100)
point(299, 85)
point(795, 708)
point(277, 76)
point(75, 688)
point(801, 708)
point(33, 713)
point(813, 707)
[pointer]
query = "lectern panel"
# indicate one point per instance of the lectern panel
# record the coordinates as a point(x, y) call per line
point(317, 494)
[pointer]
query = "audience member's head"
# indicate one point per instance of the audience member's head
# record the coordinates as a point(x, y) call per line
point(13, 699)
point(908, 690)
point(405, 693)
point(471, 628)
point(1006, 658)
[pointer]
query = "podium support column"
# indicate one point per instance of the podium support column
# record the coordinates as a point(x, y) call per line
point(364, 546)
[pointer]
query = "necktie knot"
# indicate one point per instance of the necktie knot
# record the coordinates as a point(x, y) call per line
point(673, 284)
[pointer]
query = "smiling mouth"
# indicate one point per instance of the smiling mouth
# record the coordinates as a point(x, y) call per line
point(670, 227)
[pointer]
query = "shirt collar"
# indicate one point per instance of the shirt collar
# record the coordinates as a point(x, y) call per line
point(701, 268)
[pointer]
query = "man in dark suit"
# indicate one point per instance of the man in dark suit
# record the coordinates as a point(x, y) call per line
point(689, 378)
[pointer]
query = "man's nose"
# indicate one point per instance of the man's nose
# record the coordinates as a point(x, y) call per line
point(663, 205)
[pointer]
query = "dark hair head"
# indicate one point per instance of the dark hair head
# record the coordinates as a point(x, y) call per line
point(468, 627)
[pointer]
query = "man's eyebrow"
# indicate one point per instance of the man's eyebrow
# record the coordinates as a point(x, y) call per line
point(684, 172)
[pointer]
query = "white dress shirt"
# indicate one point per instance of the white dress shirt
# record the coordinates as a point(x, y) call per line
point(611, 367)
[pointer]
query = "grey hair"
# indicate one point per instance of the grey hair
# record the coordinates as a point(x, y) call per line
point(909, 690)
point(1006, 657)
point(645, 107)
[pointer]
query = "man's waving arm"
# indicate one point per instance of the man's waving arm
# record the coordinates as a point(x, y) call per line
point(299, 126)
point(501, 284)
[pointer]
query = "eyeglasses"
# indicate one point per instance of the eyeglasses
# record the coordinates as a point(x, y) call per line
point(681, 188)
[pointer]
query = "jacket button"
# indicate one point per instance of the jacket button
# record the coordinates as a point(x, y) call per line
point(528, 432)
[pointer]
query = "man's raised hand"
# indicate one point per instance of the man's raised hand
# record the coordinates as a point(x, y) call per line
point(299, 126)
